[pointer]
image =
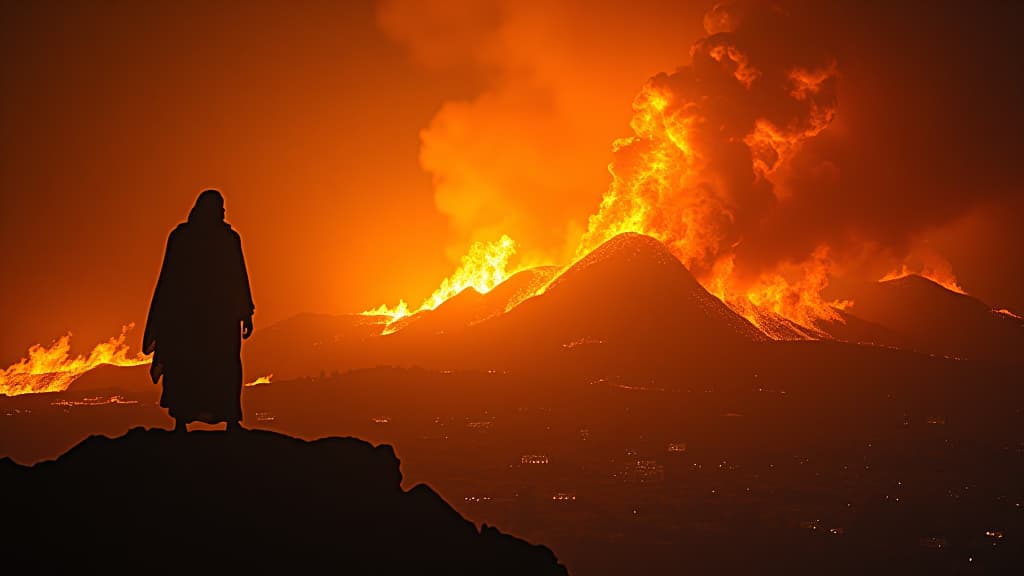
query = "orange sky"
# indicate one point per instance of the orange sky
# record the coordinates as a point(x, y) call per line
point(361, 147)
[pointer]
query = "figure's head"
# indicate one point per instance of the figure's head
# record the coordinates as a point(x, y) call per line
point(209, 207)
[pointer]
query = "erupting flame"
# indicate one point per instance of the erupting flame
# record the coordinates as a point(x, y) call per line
point(664, 185)
point(482, 268)
point(52, 370)
point(799, 299)
point(669, 182)
point(714, 157)
point(942, 276)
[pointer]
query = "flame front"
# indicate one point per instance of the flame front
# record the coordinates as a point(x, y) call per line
point(51, 369)
point(485, 266)
point(943, 276)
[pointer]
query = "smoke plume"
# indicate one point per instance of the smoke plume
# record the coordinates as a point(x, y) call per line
point(797, 145)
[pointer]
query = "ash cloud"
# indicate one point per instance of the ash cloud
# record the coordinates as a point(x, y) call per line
point(918, 131)
point(928, 119)
point(715, 141)
point(525, 151)
point(925, 129)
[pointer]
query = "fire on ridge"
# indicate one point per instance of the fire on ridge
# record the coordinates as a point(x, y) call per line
point(942, 277)
point(52, 369)
point(485, 266)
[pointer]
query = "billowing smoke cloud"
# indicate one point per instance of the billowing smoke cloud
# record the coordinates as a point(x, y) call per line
point(736, 159)
point(714, 157)
point(524, 152)
point(798, 143)
point(925, 128)
point(714, 140)
point(926, 121)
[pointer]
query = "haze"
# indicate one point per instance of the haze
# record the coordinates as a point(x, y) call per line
point(363, 147)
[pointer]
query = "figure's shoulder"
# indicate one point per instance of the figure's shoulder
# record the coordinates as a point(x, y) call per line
point(178, 230)
point(232, 233)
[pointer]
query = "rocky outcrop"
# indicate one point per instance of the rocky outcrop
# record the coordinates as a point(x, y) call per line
point(154, 501)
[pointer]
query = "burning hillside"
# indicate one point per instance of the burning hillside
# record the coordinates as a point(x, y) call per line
point(485, 266)
point(52, 369)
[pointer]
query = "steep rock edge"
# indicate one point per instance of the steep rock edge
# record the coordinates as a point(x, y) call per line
point(153, 501)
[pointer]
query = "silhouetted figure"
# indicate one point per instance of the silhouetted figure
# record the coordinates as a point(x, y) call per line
point(202, 303)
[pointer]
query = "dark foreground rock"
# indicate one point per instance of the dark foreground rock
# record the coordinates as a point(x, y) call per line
point(244, 502)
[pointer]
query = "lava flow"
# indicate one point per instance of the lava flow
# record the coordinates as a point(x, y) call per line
point(51, 369)
point(485, 266)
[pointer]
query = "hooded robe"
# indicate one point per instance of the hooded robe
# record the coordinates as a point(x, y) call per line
point(194, 323)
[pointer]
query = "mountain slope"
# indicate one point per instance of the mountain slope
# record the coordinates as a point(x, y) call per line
point(132, 380)
point(629, 288)
point(930, 318)
point(470, 307)
point(305, 344)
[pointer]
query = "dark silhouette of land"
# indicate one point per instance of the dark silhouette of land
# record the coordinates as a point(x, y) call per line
point(157, 502)
point(826, 458)
point(202, 306)
point(930, 318)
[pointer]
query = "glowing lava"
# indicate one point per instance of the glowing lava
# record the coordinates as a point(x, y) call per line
point(485, 266)
point(53, 370)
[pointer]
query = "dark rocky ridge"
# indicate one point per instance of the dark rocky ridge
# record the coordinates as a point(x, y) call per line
point(107, 379)
point(243, 502)
point(929, 318)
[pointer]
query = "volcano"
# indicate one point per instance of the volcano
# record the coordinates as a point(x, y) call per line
point(629, 296)
point(927, 317)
